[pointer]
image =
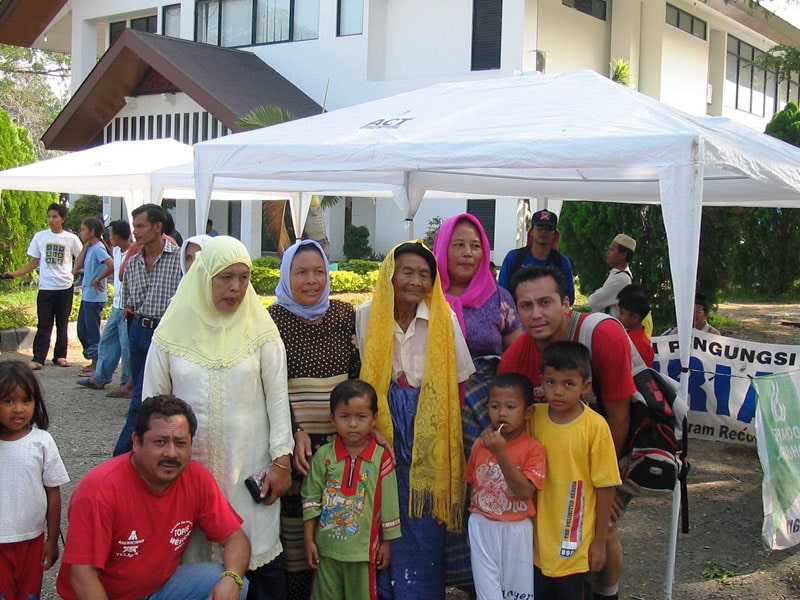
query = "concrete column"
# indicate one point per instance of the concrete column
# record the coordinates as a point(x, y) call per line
point(84, 49)
point(717, 60)
point(250, 233)
point(512, 38)
point(626, 23)
point(654, 15)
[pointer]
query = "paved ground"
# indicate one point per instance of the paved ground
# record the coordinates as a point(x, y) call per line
point(84, 423)
point(725, 493)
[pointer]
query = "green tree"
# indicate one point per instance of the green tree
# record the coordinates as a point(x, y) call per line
point(85, 206)
point(34, 86)
point(765, 230)
point(21, 213)
point(588, 227)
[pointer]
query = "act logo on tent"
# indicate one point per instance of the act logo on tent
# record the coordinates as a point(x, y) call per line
point(386, 123)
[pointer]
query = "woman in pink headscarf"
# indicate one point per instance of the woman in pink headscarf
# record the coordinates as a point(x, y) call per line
point(488, 318)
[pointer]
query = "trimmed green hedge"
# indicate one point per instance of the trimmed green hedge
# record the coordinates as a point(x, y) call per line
point(358, 277)
point(265, 280)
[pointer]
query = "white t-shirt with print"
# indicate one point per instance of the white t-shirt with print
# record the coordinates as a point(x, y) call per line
point(56, 252)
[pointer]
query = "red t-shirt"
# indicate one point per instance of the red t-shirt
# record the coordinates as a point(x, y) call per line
point(491, 495)
point(134, 535)
point(611, 360)
point(643, 345)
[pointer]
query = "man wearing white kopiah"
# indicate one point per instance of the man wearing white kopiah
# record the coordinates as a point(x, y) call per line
point(618, 257)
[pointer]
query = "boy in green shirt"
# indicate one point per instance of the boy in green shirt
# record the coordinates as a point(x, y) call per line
point(350, 504)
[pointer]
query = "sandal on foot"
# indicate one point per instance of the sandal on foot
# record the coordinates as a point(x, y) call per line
point(62, 362)
point(119, 393)
point(86, 372)
point(35, 366)
point(90, 383)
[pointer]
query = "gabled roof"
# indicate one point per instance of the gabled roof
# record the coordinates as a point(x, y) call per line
point(22, 22)
point(227, 83)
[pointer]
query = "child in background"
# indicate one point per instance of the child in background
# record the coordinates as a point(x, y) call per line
point(350, 505)
point(97, 265)
point(574, 507)
point(505, 469)
point(31, 472)
point(633, 309)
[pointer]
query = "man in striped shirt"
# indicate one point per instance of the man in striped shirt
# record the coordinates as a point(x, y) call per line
point(150, 280)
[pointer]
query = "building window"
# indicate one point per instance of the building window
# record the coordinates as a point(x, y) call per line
point(595, 8)
point(146, 24)
point(236, 26)
point(487, 32)
point(231, 23)
point(686, 22)
point(752, 89)
point(350, 17)
point(305, 24)
point(484, 211)
point(171, 19)
point(114, 30)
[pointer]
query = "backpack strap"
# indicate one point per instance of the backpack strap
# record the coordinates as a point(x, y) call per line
point(556, 260)
point(520, 258)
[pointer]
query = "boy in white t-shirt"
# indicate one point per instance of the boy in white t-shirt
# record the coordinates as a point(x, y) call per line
point(52, 251)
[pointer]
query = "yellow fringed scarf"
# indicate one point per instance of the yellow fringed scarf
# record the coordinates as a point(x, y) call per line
point(437, 458)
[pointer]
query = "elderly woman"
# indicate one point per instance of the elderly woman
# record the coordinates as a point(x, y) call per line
point(486, 312)
point(319, 335)
point(218, 349)
point(489, 321)
point(415, 356)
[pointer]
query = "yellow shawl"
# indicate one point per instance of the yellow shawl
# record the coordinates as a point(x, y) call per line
point(194, 329)
point(437, 458)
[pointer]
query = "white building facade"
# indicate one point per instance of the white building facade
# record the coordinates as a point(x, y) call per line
point(689, 54)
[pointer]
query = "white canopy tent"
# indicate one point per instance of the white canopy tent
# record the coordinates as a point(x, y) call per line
point(569, 136)
point(119, 169)
point(137, 171)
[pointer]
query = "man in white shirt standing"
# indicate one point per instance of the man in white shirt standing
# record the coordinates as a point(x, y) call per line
point(52, 251)
point(618, 256)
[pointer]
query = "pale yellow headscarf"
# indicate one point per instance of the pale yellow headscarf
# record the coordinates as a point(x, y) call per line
point(195, 329)
point(437, 457)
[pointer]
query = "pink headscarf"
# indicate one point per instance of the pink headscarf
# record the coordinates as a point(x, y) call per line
point(483, 284)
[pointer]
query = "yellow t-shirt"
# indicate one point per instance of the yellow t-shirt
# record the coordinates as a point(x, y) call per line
point(580, 459)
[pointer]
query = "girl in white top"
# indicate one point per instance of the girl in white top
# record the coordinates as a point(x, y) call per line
point(31, 474)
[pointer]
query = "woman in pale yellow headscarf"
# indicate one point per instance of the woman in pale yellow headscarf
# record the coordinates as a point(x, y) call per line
point(219, 350)
point(414, 354)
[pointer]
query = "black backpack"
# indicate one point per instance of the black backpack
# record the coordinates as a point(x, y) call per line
point(655, 460)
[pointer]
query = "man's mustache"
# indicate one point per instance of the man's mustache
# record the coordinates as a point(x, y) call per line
point(169, 462)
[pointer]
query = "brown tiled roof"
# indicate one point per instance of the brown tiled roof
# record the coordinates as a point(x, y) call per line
point(227, 83)
point(22, 22)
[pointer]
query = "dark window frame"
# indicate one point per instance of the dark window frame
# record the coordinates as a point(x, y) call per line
point(164, 10)
point(339, 20)
point(594, 8)
point(771, 94)
point(686, 22)
point(291, 37)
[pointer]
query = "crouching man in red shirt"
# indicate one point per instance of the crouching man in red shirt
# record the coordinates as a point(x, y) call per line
point(131, 517)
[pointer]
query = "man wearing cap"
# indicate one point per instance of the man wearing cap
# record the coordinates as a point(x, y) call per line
point(541, 252)
point(618, 257)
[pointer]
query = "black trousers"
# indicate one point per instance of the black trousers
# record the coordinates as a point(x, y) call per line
point(52, 305)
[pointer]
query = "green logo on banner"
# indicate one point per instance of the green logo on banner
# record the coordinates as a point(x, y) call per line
point(778, 433)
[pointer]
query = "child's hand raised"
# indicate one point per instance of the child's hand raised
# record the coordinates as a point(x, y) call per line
point(494, 441)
